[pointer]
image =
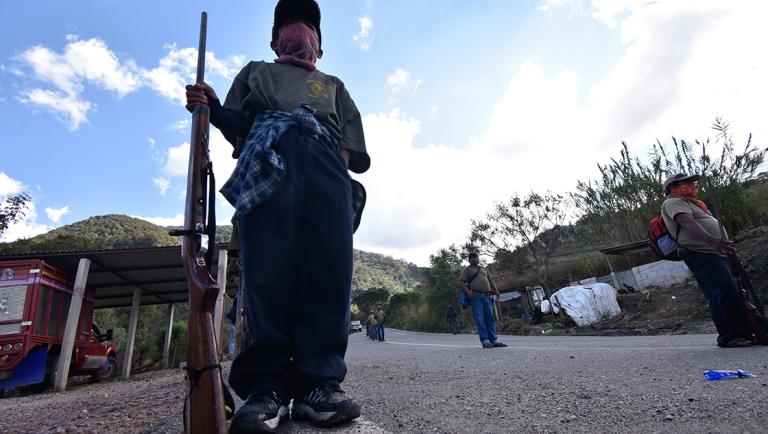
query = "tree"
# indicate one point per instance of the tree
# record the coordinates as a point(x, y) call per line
point(619, 205)
point(13, 209)
point(443, 276)
point(535, 222)
point(367, 300)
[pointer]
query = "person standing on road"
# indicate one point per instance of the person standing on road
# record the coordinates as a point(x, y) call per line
point(380, 318)
point(296, 133)
point(704, 252)
point(451, 316)
point(374, 326)
point(478, 285)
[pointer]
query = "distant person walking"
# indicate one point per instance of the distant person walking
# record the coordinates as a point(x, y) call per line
point(380, 319)
point(451, 316)
point(704, 252)
point(478, 285)
point(373, 326)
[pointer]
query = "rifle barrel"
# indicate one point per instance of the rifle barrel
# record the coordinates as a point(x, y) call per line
point(201, 47)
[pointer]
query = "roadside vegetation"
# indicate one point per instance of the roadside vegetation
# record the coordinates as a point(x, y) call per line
point(531, 238)
point(549, 239)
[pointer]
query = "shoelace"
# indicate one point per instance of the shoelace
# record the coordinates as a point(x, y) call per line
point(270, 399)
point(324, 393)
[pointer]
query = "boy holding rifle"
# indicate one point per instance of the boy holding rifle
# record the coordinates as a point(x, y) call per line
point(296, 132)
point(705, 251)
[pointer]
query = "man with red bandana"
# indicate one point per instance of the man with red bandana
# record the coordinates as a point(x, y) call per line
point(296, 133)
point(703, 250)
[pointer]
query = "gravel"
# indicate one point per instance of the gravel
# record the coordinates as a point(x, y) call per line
point(431, 383)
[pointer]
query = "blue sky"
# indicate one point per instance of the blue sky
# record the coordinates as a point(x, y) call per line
point(463, 102)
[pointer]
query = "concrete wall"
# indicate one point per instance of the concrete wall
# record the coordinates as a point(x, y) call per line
point(659, 273)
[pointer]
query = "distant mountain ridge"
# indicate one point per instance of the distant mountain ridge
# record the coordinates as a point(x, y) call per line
point(116, 231)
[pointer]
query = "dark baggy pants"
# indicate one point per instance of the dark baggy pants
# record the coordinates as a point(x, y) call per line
point(296, 250)
point(714, 278)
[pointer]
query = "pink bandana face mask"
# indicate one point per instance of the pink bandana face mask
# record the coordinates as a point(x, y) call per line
point(298, 45)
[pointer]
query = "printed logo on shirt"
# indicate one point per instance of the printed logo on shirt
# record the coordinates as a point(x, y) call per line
point(317, 88)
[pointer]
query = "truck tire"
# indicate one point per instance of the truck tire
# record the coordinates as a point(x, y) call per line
point(108, 372)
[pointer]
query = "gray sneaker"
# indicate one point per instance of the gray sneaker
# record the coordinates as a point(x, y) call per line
point(261, 413)
point(326, 406)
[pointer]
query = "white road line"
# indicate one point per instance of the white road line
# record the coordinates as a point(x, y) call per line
point(512, 347)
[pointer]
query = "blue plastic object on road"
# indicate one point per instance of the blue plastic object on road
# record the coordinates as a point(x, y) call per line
point(722, 375)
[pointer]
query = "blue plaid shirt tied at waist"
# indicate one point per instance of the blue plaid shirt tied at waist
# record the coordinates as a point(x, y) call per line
point(260, 170)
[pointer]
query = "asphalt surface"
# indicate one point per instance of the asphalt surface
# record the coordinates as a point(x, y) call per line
point(420, 383)
point(433, 383)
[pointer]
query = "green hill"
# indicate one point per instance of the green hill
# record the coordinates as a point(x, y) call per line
point(114, 231)
point(373, 270)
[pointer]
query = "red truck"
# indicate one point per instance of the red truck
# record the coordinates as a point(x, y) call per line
point(34, 304)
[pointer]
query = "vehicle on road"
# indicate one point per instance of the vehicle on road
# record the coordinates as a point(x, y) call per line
point(355, 326)
point(34, 304)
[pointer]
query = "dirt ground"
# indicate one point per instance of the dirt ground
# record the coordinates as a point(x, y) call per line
point(137, 405)
point(682, 308)
point(152, 402)
point(678, 309)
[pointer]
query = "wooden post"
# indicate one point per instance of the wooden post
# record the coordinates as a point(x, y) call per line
point(167, 338)
point(70, 329)
point(614, 276)
point(132, 322)
point(218, 309)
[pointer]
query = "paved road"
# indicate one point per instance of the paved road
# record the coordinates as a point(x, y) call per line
point(420, 382)
point(432, 383)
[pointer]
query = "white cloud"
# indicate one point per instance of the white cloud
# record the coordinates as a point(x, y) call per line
point(398, 80)
point(68, 108)
point(576, 6)
point(92, 62)
point(684, 63)
point(177, 160)
point(163, 184)
point(364, 37)
point(177, 164)
point(81, 61)
point(177, 220)
point(607, 11)
point(9, 186)
point(179, 67)
point(27, 226)
point(55, 214)
point(181, 125)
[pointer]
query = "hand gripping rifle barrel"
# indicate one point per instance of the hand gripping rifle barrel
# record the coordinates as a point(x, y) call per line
point(204, 408)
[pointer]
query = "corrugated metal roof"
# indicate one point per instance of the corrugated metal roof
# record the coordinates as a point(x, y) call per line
point(115, 273)
point(625, 248)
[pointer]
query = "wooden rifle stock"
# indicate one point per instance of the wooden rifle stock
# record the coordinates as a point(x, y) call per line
point(205, 410)
point(754, 316)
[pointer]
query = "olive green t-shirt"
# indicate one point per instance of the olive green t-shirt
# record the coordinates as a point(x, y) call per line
point(276, 86)
point(481, 282)
point(674, 206)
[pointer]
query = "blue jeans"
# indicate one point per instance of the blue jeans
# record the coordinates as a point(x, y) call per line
point(296, 251)
point(381, 332)
point(482, 312)
point(452, 322)
point(714, 277)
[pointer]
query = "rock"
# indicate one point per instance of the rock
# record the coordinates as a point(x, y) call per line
point(669, 417)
